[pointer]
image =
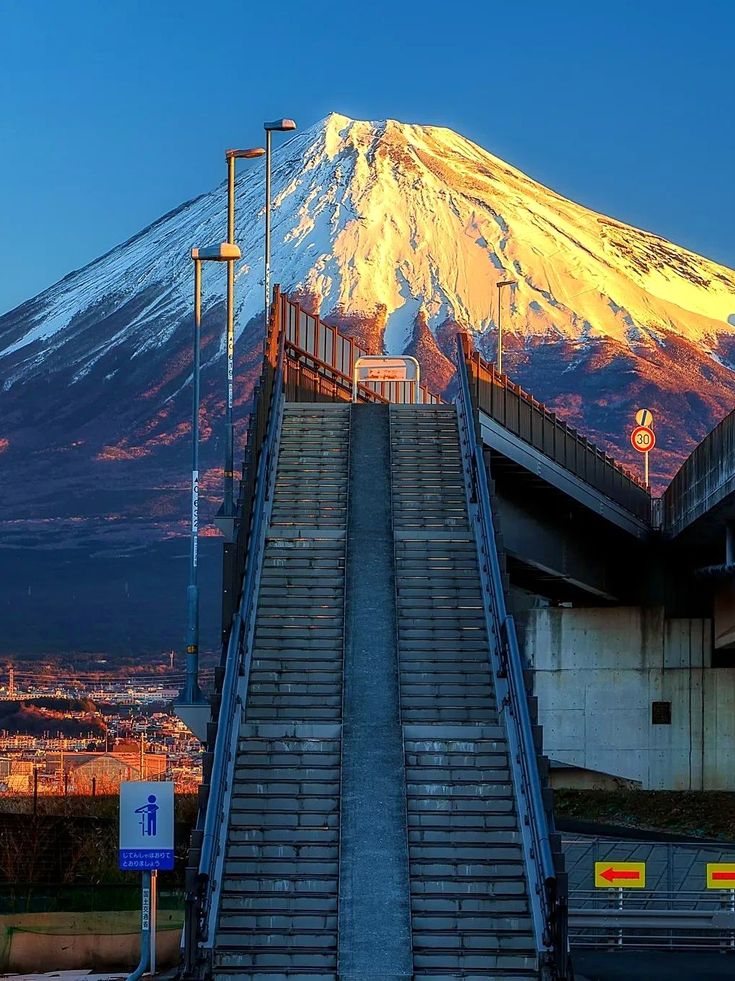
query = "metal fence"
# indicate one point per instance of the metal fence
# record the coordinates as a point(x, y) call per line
point(530, 420)
point(674, 911)
point(64, 898)
point(321, 360)
point(644, 919)
point(704, 478)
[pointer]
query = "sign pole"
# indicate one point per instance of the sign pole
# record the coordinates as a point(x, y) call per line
point(145, 927)
point(147, 845)
point(643, 437)
point(154, 919)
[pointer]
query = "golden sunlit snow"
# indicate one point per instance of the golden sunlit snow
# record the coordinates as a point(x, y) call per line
point(424, 214)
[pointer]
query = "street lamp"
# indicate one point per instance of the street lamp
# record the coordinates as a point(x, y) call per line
point(499, 359)
point(277, 126)
point(231, 156)
point(192, 707)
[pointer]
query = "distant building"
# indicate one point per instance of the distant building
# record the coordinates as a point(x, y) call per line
point(108, 770)
point(17, 783)
point(14, 766)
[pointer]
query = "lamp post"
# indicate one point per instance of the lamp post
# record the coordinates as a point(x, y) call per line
point(192, 707)
point(231, 156)
point(499, 359)
point(277, 126)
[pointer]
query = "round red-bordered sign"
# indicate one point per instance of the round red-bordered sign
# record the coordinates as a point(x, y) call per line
point(643, 439)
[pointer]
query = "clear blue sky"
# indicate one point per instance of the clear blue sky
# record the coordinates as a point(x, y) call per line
point(115, 111)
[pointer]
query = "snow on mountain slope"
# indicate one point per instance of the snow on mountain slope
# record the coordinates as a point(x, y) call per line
point(400, 231)
point(372, 216)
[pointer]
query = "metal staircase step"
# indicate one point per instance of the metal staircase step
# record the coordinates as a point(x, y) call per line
point(278, 909)
point(278, 914)
point(470, 914)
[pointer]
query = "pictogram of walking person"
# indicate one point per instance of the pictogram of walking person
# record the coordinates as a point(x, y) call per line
point(148, 816)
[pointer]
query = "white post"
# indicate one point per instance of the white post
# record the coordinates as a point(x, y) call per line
point(154, 919)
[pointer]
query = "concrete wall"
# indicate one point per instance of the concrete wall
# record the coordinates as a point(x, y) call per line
point(597, 671)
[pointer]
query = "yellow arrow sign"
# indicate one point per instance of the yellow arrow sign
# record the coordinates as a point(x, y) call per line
point(721, 875)
point(620, 875)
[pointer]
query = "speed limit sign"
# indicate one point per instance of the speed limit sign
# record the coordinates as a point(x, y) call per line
point(643, 439)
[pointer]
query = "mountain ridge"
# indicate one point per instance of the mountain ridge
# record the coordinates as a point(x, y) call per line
point(397, 232)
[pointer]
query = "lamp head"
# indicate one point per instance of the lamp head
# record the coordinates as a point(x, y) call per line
point(506, 282)
point(249, 154)
point(225, 252)
point(280, 125)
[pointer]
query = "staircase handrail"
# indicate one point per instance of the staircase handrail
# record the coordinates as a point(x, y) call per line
point(235, 680)
point(512, 697)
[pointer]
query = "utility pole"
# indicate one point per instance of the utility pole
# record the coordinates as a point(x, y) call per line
point(277, 126)
point(191, 706)
point(231, 156)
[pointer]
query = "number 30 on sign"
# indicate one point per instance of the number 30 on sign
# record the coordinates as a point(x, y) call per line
point(643, 439)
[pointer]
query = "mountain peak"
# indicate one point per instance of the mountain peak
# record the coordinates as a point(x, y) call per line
point(401, 233)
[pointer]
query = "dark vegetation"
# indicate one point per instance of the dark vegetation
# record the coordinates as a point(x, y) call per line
point(701, 815)
point(35, 716)
point(64, 856)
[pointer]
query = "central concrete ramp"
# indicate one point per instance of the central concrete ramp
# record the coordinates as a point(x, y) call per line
point(374, 903)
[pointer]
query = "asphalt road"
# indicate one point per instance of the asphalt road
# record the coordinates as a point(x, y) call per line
point(636, 965)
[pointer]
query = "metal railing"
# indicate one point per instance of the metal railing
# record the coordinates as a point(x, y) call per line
point(320, 363)
point(644, 919)
point(673, 911)
point(705, 477)
point(234, 553)
point(548, 909)
point(204, 879)
point(531, 421)
point(312, 344)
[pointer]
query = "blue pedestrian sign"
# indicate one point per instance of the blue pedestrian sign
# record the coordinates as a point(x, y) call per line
point(146, 825)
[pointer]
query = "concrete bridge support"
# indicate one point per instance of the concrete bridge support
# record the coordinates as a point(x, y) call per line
point(630, 693)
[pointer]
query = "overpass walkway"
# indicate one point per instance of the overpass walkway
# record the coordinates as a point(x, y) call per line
point(374, 806)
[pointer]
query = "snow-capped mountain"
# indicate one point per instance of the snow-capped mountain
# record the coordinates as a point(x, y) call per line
point(399, 232)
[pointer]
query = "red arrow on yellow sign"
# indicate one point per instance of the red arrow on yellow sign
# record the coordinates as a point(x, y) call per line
point(720, 875)
point(619, 875)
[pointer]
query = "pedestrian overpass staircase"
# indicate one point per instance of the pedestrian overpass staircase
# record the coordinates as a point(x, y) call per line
point(373, 804)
